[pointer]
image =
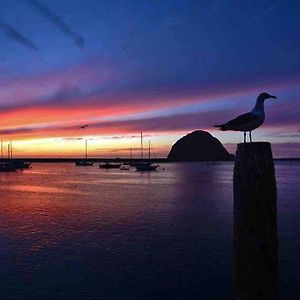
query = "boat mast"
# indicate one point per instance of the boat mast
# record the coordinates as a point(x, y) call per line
point(11, 150)
point(86, 141)
point(8, 151)
point(142, 153)
point(1, 149)
point(86, 149)
point(149, 150)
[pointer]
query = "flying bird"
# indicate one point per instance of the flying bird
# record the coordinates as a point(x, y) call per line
point(84, 126)
point(249, 121)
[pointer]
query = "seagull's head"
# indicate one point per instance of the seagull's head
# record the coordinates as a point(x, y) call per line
point(264, 96)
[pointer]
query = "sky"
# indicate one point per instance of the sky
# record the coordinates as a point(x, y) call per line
point(162, 67)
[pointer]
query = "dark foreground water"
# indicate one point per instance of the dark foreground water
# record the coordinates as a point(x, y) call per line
point(71, 232)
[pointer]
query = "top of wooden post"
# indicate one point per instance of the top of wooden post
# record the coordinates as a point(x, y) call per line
point(259, 151)
point(254, 145)
point(258, 154)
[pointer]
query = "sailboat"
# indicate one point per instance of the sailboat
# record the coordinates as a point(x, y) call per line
point(110, 165)
point(7, 165)
point(84, 162)
point(145, 165)
point(19, 164)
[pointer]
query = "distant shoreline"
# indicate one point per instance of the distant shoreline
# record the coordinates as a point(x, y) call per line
point(157, 160)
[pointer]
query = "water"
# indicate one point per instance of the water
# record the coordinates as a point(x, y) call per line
point(83, 233)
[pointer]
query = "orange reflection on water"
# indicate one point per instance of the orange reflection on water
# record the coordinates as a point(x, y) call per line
point(41, 189)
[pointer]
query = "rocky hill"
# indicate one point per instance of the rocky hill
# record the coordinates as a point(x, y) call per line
point(198, 146)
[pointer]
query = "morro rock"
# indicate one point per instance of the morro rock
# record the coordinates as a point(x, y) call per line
point(198, 146)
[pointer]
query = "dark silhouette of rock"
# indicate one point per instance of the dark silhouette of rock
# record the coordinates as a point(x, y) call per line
point(198, 146)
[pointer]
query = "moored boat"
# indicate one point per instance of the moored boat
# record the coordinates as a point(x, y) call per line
point(84, 163)
point(125, 167)
point(7, 167)
point(145, 165)
point(109, 165)
point(9, 164)
point(20, 165)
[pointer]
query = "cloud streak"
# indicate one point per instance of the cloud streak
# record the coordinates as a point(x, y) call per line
point(158, 124)
point(115, 96)
point(16, 36)
point(162, 124)
point(58, 22)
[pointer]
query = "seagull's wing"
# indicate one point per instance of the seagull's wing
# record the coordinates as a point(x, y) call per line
point(241, 120)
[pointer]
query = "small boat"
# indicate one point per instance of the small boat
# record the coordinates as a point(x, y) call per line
point(10, 164)
point(7, 167)
point(132, 163)
point(145, 165)
point(109, 165)
point(21, 165)
point(125, 167)
point(83, 163)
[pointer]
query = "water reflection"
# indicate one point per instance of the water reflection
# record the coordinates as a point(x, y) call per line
point(79, 233)
point(39, 189)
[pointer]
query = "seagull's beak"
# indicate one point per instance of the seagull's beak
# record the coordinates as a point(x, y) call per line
point(273, 97)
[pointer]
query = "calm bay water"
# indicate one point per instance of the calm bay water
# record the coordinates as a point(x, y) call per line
point(83, 233)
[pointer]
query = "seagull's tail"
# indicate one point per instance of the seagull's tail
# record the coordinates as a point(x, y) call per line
point(222, 127)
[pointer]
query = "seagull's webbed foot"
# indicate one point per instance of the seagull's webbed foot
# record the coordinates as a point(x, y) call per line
point(250, 135)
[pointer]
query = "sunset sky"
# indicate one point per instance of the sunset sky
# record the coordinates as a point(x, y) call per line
point(162, 67)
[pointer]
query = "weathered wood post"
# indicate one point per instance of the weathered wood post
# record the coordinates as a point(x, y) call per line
point(255, 223)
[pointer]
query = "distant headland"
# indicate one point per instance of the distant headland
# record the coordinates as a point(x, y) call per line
point(199, 145)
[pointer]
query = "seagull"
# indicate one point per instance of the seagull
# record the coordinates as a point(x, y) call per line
point(84, 126)
point(249, 121)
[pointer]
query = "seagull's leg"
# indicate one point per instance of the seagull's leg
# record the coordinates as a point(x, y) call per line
point(245, 136)
point(250, 134)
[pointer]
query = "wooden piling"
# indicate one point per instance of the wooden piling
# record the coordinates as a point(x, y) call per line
point(255, 223)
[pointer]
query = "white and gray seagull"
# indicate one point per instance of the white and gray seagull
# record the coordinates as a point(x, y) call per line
point(249, 121)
